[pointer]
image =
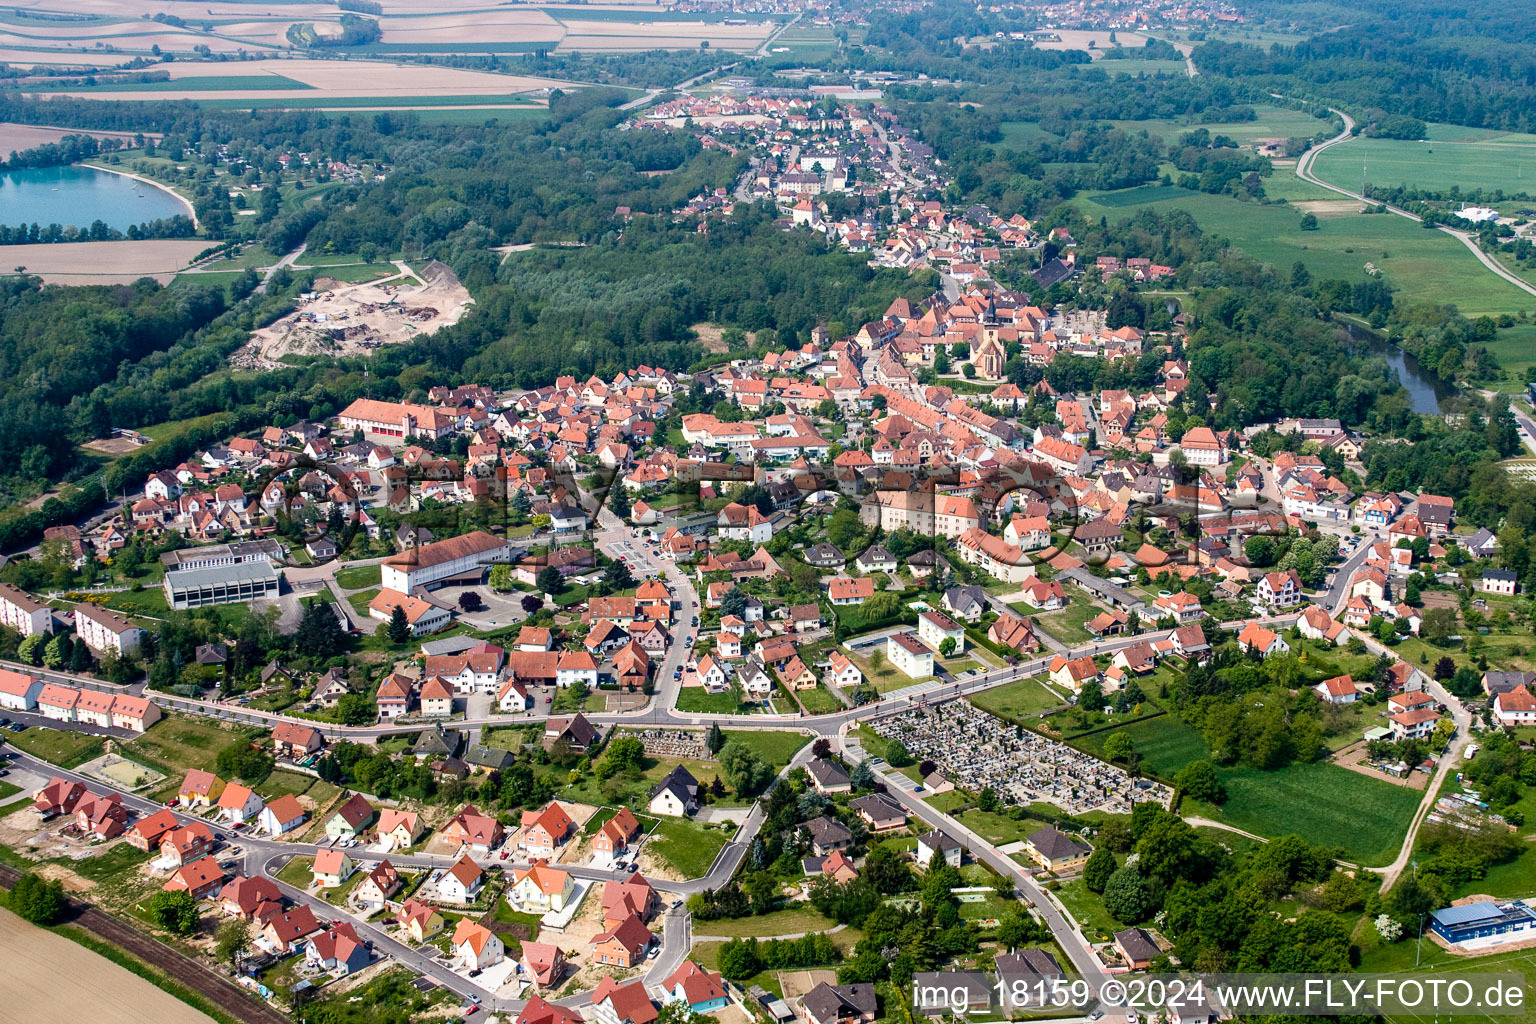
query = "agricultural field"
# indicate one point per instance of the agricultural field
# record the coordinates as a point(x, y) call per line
point(1270, 122)
point(1365, 818)
point(1423, 265)
point(404, 27)
point(105, 262)
point(1497, 163)
point(97, 989)
point(328, 84)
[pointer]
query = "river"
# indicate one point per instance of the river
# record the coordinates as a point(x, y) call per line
point(1425, 390)
point(80, 195)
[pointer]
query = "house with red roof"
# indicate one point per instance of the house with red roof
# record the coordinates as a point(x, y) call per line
point(623, 945)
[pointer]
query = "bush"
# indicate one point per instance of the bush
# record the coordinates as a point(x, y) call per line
point(37, 900)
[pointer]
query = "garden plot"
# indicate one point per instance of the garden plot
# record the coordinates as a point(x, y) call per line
point(355, 319)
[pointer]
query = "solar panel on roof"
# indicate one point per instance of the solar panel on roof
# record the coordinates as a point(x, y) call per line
point(1467, 913)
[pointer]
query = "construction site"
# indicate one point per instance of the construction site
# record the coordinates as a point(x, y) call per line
point(345, 320)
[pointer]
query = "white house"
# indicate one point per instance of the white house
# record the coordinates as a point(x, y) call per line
point(1338, 690)
point(1280, 589)
point(933, 628)
point(841, 671)
point(18, 692)
point(910, 655)
point(1515, 707)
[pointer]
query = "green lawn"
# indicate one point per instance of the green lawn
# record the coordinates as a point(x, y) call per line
point(1437, 165)
point(998, 829)
point(1139, 66)
point(694, 699)
point(686, 845)
point(818, 701)
point(796, 920)
point(298, 872)
point(357, 577)
point(1069, 624)
point(1426, 265)
point(1025, 698)
point(149, 602)
point(774, 748)
point(362, 599)
point(1087, 909)
point(65, 749)
point(1364, 817)
point(178, 743)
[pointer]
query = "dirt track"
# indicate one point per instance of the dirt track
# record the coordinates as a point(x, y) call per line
point(224, 994)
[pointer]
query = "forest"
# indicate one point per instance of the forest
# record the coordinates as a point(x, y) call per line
point(1465, 64)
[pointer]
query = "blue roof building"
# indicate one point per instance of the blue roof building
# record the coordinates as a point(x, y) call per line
point(1475, 925)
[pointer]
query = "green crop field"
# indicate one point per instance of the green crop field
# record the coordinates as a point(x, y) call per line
point(1440, 165)
point(1366, 818)
point(1423, 265)
point(1271, 123)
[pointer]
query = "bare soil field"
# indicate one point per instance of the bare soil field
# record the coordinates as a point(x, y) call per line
point(352, 319)
point(17, 137)
point(797, 983)
point(337, 79)
point(1329, 207)
point(404, 23)
point(26, 58)
point(103, 262)
point(1075, 39)
point(98, 989)
point(166, 39)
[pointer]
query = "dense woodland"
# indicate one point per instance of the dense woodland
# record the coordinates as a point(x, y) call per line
point(1468, 64)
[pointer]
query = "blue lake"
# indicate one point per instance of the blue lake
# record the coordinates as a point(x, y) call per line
point(81, 195)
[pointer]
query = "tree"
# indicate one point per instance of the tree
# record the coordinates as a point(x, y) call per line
point(986, 800)
point(1128, 896)
point(876, 659)
point(500, 578)
point(240, 760)
point(1445, 668)
point(623, 755)
point(531, 603)
point(176, 912)
point(1259, 550)
point(714, 739)
point(549, 580)
point(1308, 222)
point(896, 754)
point(356, 709)
point(1098, 869)
point(1091, 696)
point(862, 777)
point(1119, 747)
point(1438, 625)
point(399, 628)
point(947, 647)
point(739, 959)
point(748, 773)
point(231, 942)
point(618, 576)
point(37, 900)
point(319, 635)
point(31, 649)
point(822, 747)
point(618, 499)
point(1388, 927)
point(1198, 779)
